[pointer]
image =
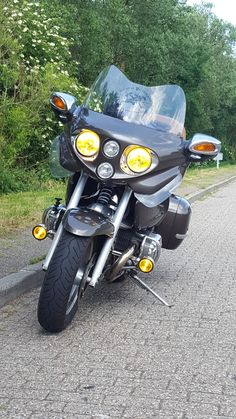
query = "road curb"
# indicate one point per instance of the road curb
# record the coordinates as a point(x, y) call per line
point(30, 277)
point(199, 194)
point(18, 283)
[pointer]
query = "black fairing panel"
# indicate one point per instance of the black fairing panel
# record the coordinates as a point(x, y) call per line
point(174, 226)
point(168, 147)
point(87, 223)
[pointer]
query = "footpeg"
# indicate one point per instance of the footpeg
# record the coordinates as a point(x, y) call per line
point(143, 285)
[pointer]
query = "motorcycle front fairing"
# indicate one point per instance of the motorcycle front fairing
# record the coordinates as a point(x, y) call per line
point(132, 114)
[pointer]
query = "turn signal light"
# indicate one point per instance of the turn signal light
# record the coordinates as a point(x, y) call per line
point(205, 147)
point(39, 232)
point(59, 103)
point(146, 265)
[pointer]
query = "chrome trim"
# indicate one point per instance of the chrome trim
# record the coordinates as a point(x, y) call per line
point(151, 247)
point(72, 204)
point(116, 220)
point(119, 264)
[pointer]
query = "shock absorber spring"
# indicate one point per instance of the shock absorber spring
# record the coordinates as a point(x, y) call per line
point(105, 195)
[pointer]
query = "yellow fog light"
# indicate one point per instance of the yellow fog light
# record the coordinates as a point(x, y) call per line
point(87, 143)
point(146, 265)
point(39, 232)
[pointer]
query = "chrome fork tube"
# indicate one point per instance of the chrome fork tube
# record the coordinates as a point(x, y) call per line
point(117, 218)
point(74, 200)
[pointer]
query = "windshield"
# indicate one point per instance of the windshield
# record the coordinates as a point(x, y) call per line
point(162, 108)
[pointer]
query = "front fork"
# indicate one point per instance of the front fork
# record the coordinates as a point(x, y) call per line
point(116, 221)
point(73, 203)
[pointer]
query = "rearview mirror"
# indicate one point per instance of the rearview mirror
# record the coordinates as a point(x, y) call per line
point(63, 105)
point(202, 145)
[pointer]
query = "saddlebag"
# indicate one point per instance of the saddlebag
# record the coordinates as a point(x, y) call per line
point(174, 227)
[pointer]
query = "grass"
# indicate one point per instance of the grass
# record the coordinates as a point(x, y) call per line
point(24, 209)
point(37, 260)
point(199, 177)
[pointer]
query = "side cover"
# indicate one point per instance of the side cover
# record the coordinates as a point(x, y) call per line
point(87, 223)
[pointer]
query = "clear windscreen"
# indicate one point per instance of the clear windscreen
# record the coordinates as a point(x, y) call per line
point(56, 168)
point(162, 108)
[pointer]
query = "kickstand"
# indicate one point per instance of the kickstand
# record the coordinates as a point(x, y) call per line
point(148, 289)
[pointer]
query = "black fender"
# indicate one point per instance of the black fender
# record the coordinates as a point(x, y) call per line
point(87, 223)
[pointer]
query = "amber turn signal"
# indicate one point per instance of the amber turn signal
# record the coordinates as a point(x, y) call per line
point(146, 265)
point(59, 103)
point(205, 147)
point(39, 232)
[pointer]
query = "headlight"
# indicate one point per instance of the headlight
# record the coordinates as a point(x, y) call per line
point(136, 159)
point(87, 143)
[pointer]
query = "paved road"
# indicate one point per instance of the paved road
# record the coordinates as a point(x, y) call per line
point(127, 357)
point(20, 249)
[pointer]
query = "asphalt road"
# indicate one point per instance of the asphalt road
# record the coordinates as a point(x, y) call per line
point(125, 356)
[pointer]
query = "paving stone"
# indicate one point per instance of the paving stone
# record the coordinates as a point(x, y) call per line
point(125, 356)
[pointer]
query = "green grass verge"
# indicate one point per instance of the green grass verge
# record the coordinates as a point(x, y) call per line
point(24, 209)
point(199, 177)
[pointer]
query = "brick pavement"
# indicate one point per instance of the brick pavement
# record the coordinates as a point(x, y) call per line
point(125, 356)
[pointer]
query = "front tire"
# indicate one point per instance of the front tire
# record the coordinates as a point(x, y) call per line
point(59, 296)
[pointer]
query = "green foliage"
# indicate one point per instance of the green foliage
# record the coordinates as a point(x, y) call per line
point(35, 60)
point(47, 46)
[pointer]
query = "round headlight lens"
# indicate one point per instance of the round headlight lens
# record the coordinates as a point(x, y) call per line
point(111, 148)
point(139, 159)
point(105, 170)
point(87, 143)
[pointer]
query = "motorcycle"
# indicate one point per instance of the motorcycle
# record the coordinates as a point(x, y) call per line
point(126, 150)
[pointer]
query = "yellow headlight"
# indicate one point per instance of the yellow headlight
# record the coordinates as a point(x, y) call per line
point(138, 159)
point(87, 143)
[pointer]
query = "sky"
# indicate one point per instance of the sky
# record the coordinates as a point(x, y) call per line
point(224, 9)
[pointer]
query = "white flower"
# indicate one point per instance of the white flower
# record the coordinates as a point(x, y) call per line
point(25, 29)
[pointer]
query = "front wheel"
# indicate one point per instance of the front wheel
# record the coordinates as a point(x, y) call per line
point(64, 282)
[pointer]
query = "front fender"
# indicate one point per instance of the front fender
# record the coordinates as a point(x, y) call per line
point(87, 223)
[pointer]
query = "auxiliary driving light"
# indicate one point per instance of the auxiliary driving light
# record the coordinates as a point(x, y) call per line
point(39, 232)
point(105, 170)
point(146, 265)
point(111, 148)
point(87, 143)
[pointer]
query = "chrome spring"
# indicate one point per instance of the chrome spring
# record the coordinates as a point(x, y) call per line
point(105, 195)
